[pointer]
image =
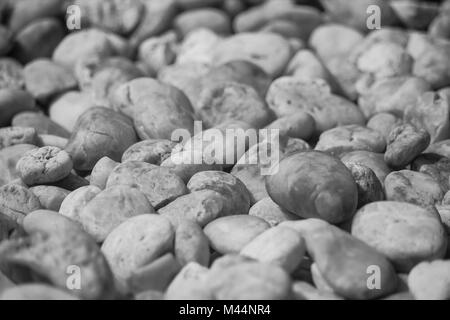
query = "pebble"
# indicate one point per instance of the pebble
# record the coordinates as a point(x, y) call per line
point(100, 132)
point(136, 243)
point(11, 74)
point(345, 263)
point(249, 281)
point(38, 40)
point(280, 246)
point(158, 184)
point(66, 109)
point(75, 202)
point(229, 235)
point(44, 165)
point(209, 18)
point(407, 234)
point(369, 186)
point(236, 194)
point(413, 187)
point(350, 138)
point(102, 170)
point(110, 208)
point(150, 151)
point(191, 244)
point(11, 136)
point(374, 161)
point(41, 123)
point(405, 143)
point(343, 195)
point(430, 113)
point(435, 166)
point(252, 47)
point(201, 207)
point(155, 276)
point(53, 244)
point(12, 102)
point(430, 280)
point(50, 197)
point(233, 101)
point(190, 284)
point(313, 184)
point(270, 212)
point(35, 292)
point(17, 201)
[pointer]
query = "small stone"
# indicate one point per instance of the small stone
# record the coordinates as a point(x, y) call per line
point(191, 244)
point(101, 172)
point(370, 188)
point(430, 280)
point(252, 47)
point(75, 202)
point(44, 165)
point(413, 187)
point(17, 201)
point(314, 184)
point(110, 208)
point(190, 284)
point(350, 138)
point(137, 242)
point(405, 233)
point(231, 234)
point(45, 80)
point(236, 194)
point(11, 74)
point(270, 212)
point(50, 197)
point(158, 184)
point(280, 246)
point(201, 207)
point(41, 123)
point(405, 143)
point(12, 136)
point(249, 281)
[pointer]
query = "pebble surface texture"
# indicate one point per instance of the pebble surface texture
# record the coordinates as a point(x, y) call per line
point(224, 150)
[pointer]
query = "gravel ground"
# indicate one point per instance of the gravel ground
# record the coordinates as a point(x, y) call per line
point(225, 150)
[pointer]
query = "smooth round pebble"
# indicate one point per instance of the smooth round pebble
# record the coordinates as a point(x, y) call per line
point(314, 185)
point(75, 202)
point(253, 47)
point(249, 281)
point(231, 234)
point(407, 234)
point(137, 242)
point(270, 212)
point(110, 208)
point(191, 244)
point(236, 194)
point(430, 280)
point(281, 246)
point(50, 197)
